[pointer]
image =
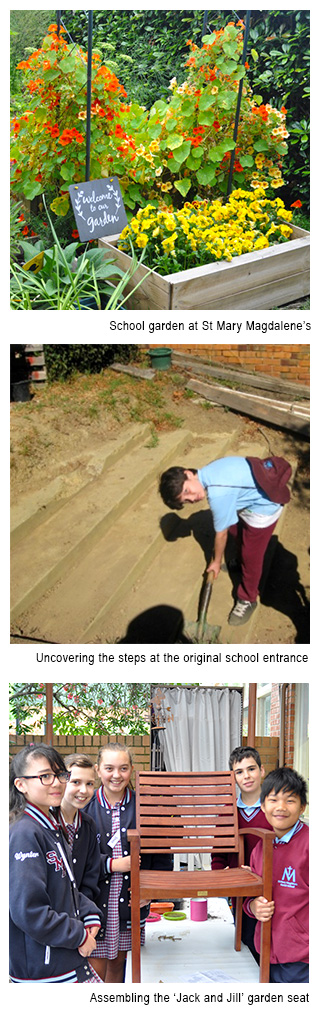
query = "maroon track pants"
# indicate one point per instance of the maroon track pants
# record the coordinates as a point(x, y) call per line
point(251, 547)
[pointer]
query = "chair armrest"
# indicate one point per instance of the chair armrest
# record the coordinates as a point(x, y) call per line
point(262, 833)
point(133, 836)
point(267, 836)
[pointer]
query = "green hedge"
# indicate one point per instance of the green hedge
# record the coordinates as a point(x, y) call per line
point(64, 359)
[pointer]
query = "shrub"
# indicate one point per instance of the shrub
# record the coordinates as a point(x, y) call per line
point(182, 144)
point(64, 359)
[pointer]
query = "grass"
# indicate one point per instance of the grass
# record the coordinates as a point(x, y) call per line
point(105, 399)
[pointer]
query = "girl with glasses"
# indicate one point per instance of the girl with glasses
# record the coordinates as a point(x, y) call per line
point(52, 925)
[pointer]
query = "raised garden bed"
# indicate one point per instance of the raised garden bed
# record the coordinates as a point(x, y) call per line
point(264, 279)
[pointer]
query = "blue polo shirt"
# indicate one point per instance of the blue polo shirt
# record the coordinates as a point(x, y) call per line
point(230, 488)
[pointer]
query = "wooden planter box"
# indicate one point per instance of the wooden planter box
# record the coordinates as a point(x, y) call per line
point(266, 279)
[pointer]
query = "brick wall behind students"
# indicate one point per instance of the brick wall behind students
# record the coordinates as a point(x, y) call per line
point(88, 744)
point(268, 748)
point(289, 725)
point(289, 362)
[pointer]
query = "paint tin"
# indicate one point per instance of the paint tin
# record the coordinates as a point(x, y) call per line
point(198, 910)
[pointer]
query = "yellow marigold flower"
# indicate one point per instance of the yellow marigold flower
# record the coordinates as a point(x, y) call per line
point(140, 151)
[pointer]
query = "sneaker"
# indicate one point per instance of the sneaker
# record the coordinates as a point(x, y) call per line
point(241, 612)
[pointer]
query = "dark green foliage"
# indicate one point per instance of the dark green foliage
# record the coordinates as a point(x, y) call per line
point(27, 30)
point(149, 47)
point(282, 77)
point(64, 359)
point(82, 708)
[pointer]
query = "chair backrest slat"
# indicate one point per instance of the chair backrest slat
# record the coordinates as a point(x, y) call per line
point(191, 811)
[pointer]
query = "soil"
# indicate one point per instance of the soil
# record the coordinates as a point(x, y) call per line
point(61, 432)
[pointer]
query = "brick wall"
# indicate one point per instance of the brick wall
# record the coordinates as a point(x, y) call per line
point(289, 709)
point(289, 361)
point(139, 745)
point(268, 748)
point(275, 711)
point(289, 725)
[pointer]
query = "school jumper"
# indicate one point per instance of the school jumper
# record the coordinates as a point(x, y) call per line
point(290, 892)
point(81, 836)
point(101, 811)
point(248, 817)
point(48, 916)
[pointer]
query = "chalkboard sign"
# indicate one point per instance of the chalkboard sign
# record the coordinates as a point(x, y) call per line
point(98, 208)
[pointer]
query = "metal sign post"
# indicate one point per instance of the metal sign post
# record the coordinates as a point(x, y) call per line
point(89, 86)
point(236, 123)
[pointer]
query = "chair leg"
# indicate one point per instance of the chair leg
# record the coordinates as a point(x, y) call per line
point(238, 924)
point(135, 908)
point(135, 950)
point(264, 973)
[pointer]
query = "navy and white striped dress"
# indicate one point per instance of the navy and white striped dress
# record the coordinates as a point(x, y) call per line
point(115, 941)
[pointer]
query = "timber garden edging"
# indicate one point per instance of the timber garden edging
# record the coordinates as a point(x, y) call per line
point(258, 280)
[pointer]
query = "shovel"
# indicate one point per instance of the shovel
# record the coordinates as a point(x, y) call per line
point(201, 632)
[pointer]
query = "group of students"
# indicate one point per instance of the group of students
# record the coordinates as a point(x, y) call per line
point(70, 865)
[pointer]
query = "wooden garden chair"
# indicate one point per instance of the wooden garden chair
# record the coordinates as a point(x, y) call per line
point(193, 812)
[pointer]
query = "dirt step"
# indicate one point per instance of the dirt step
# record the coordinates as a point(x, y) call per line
point(78, 607)
point(175, 576)
point(48, 553)
point(37, 507)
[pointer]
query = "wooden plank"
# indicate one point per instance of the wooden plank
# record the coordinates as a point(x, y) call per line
point(137, 373)
point(252, 406)
point(262, 264)
point(273, 295)
point(261, 279)
point(187, 831)
point(255, 379)
point(154, 293)
point(249, 291)
point(187, 883)
point(170, 810)
point(180, 844)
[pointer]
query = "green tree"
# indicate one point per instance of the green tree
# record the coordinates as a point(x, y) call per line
point(82, 708)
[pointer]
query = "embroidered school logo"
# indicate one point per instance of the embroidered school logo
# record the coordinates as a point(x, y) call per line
point(21, 856)
point(288, 880)
point(52, 858)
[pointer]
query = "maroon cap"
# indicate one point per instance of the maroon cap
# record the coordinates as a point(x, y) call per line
point(272, 476)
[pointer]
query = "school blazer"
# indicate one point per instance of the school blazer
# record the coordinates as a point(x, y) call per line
point(150, 862)
point(48, 915)
point(85, 855)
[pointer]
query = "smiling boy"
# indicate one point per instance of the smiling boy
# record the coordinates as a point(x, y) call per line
point(245, 762)
point(78, 828)
point(283, 800)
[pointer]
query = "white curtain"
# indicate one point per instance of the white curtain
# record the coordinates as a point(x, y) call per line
point(202, 725)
